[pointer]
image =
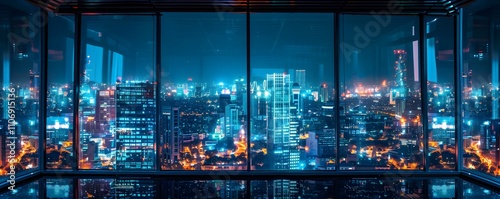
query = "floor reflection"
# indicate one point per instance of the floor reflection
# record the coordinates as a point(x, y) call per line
point(259, 189)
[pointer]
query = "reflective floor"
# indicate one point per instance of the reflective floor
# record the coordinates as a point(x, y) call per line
point(282, 188)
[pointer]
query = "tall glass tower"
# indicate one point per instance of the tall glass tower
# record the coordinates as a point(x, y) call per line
point(135, 125)
point(279, 120)
point(400, 75)
point(295, 127)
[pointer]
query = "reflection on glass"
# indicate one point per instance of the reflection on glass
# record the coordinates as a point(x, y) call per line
point(382, 188)
point(19, 89)
point(284, 188)
point(480, 88)
point(116, 188)
point(59, 133)
point(203, 123)
point(473, 191)
point(27, 191)
point(359, 188)
point(204, 189)
point(117, 93)
point(380, 107)
point(292, 109)
point(59, 188)
point(441, 102)
point(442, 188)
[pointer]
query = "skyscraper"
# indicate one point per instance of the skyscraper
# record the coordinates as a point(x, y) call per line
point(295, 127)
point(232, 123)
point(300, 78)
point(400, 73)
point(279, 120)
point(34, 82)
point(135, 125)
point(171, 134)
point(323, 93)
point(106, 110)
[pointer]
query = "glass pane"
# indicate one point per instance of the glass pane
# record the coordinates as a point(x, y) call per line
point(258, 188)
point(442, 188)
point(116, 188)
point(441, 104)
point(285, 188)
point(292, 91)
point(26, 191)
point(233, 189)
point(204, 97)
point(87, 188)
point(20, 88)
point(472, 191)
point(380, 107)
point(382, 188)
point(117, 92)
point(59, 188)
point(60, 94)
point(480, 88)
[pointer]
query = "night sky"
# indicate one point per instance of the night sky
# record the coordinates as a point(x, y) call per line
point(211, 47)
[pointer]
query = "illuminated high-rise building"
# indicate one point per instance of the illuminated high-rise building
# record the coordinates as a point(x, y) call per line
point(496, 138)
point(259, 104)
point(279, 120)
point(401, 83)
point(34, 82)
point(135, 125)
point(232, 123)
point(295, 127)
point(170, 128)
point(323, 93)
point(466, 82)
point(57, 131)
point(105, 110)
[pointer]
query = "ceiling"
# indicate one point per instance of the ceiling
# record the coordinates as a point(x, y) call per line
point(411, 7)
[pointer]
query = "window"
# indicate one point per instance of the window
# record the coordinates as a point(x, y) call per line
point(380, 107)
point(60, 94)
point(20, 83)
point(203, 92)
point(117, 71)
point(480, 88)
point(59, 188)
point(440, 92)
point(271, 105)
point(292, 109)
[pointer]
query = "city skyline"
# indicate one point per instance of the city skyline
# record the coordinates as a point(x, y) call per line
point(207, 115)
point(357, 92)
